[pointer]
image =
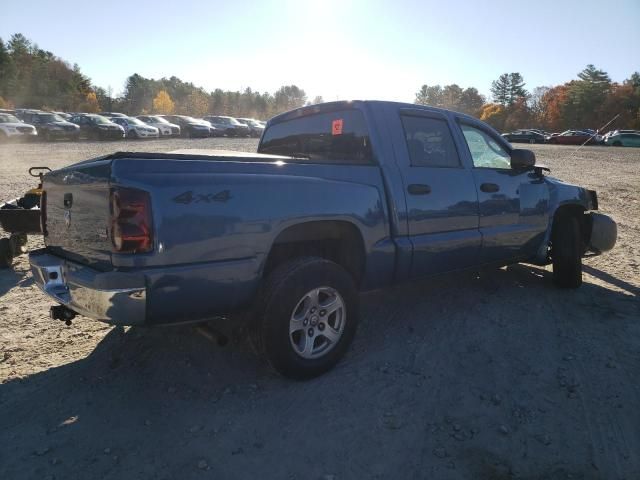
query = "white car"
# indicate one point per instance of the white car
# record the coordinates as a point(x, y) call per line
point(134, 128)
point(166, 129)
point(12, 127)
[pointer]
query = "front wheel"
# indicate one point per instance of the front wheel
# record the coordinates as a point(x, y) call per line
point(566, 253)
point(309, 317)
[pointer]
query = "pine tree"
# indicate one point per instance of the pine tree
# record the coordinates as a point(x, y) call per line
point(516, 89)
point(500, 89)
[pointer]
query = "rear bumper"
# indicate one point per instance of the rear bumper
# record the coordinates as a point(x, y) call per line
point(151, 296)
point(604, 233)
point(89, 292)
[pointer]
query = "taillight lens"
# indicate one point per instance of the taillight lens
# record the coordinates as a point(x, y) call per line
point(131, 221)
point(43, 213)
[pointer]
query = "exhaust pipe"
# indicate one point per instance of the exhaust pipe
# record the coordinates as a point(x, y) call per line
point(63, 313)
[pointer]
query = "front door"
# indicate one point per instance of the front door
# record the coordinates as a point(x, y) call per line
point(514, 204)
point(442, 204)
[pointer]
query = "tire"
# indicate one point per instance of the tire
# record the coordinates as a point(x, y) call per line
point(566, 253)
point(6, 253)
point(532, 140)
point(132, 135)
point(291, 324)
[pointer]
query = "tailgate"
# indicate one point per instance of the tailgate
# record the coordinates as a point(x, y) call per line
point(77, 213)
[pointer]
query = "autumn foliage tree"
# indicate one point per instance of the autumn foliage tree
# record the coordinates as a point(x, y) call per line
point(90, 104)
point(494, 114)
point(163, 104)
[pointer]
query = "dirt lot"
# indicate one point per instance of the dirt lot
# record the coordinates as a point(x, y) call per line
point(492, 375)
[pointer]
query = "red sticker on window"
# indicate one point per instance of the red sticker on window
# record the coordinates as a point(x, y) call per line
point(336, 127)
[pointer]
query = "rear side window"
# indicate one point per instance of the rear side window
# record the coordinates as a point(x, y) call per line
point(429, 142)
point(333, 137)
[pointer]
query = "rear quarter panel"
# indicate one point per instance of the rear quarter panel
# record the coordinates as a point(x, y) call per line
point(215, 222)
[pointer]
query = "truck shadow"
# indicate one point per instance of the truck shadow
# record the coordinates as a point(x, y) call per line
point(143, 393)
point(10, 278)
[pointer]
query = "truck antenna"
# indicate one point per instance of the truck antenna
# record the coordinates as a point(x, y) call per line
point(588, 139)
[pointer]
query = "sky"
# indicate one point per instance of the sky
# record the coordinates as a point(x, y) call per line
point(338, 49)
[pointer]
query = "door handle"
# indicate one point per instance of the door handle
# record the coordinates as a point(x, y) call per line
point(419, 189)
point(489, 187)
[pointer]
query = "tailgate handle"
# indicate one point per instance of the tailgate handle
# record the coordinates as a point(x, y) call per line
point(68, 200)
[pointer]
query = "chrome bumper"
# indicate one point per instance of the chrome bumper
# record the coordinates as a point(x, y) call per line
point(89, 292)
point(604, 233)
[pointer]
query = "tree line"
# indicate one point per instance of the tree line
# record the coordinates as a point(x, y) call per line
point(590, 101)
point(31, 77)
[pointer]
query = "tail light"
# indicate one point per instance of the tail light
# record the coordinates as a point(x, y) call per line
point(131, 221)
point(43, 213)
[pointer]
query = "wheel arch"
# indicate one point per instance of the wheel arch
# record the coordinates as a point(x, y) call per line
point(340, 241)
point(573, 210)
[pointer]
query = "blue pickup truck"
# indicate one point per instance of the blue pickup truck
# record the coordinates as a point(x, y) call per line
point(341, 197)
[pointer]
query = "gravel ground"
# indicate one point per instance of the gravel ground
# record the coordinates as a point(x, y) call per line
point(489, 375)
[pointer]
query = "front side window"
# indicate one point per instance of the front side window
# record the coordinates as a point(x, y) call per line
point(332, 137)
point(485, 151)
point(429, 142)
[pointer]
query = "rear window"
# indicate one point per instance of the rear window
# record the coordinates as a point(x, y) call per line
point(333, 137)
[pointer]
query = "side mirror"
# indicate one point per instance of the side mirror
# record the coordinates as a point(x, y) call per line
point(522, 159)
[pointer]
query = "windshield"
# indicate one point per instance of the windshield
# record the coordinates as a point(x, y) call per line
point(7, 118)
point(158, 120)
point(50, 117)
point(135, 121)
point(99, 119)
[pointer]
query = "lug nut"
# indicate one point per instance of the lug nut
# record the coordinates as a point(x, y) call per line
point(310, 332)
point(321, 326)
point(323, 313)
point(313, 309)
point(305, 322)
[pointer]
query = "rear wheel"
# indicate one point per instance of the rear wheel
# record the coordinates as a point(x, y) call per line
point(308, 317)
point(566, 252)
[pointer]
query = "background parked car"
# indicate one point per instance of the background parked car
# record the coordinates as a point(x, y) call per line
point(112, 114)
point(12, 127)
point(134, 128)
point(524, 136)
point(51, 126)
point(623, 138)
point(64, 115)
point(165, 128)
point(213, 131)
point(93, 126)
point(255, 127)
point(189, 126)
point(229, 126)
point(571, 137)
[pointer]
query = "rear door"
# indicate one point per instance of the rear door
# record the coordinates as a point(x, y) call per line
point(514, 204)
point(442, 204)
